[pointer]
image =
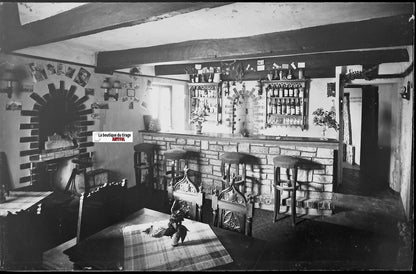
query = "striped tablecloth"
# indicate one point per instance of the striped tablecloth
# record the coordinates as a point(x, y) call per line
point(21, 200)
point(200, 250)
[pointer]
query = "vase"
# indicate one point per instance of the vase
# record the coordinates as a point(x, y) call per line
point(198, 128)
point(175, 238)
point(324, 129)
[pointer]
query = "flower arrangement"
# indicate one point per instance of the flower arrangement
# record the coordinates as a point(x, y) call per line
point(325, 118)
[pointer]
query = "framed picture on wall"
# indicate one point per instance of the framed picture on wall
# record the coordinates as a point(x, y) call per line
point(131, 92)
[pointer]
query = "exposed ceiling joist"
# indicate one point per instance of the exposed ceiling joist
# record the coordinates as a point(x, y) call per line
point(94, 18)
point(315, 63)
point(374, 33)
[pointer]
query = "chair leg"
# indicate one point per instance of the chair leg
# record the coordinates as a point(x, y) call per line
point(293, 181)
point(276, 194)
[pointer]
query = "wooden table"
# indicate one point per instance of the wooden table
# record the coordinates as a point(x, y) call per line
point(105, 249)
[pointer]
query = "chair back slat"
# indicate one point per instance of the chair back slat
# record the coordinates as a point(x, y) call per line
point(190, 197)
point(100, 208)
point(232, 210)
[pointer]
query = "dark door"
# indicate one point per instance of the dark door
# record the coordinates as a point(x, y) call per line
point(369, 135)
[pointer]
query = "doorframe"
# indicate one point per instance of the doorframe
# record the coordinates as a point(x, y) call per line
point(340, 86)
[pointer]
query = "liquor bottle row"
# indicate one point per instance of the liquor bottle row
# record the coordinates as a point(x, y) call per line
point(285, 107)
point(206, 105)
point(203, 92)
point(289, 121)
point(285, 90)
point(285, 74)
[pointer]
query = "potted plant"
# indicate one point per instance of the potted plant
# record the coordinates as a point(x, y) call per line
point(325, 119)
point(198, 117)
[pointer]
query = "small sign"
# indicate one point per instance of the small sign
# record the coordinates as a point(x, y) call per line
point(112, 136)
point(301, 65)
point(330, 92)
point(260, 62)
point(285, 66)
point(198, 66)
point(260, 68)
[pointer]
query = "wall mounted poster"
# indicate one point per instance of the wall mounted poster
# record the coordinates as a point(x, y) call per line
point(60, 69)
point(82, 77)
point(69, 72)
point(38, 72)
point(50, 68)
point(13, 105)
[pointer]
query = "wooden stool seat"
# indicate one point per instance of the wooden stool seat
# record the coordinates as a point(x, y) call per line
point(233, 157)
point(145, 147)
point(286, 161)
point(291, 165)
point(175, 154)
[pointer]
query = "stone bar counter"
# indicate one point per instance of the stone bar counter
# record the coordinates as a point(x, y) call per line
point(316, 178)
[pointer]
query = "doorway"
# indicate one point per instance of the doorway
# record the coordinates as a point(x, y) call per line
point(368, 123)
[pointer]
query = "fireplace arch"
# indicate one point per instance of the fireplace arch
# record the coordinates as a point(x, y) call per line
point(61, 116)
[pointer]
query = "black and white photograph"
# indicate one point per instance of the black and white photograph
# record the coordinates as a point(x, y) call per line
point(206, 136)
point(50, 68)
point(38, 72)
point(70, 71)
point(14, 105)
point(82, 77)
point(60, 68)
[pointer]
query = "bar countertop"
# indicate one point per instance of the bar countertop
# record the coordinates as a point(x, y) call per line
point(304, 141)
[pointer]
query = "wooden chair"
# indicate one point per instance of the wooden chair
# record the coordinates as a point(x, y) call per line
point(232, 210)
point(100, 208)
point(190, 197)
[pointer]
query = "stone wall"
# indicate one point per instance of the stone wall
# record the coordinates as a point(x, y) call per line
point(316, 179)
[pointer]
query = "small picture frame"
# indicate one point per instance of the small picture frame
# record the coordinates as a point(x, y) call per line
point(131, 92)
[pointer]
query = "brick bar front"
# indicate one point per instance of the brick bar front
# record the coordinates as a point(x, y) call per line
point(316, 184)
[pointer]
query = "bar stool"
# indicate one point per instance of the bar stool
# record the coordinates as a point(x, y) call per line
point(176, 157)
point(228, 159)
point(142, 163)
point(291, 165)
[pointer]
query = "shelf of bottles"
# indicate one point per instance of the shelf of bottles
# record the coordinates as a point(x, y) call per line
point(286, 103)
point(206, 96)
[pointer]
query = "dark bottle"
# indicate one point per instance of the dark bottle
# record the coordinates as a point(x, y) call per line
point(279, 107)
point(275, 91)
point(285, 91)
point(292, 107)
point(301, 92)
point(280, 90)
point(290, 91)
point(284, 107)
point(297, 107)
point(296, 91)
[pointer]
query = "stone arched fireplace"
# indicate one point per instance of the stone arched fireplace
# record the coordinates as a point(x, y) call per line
point(57, 130)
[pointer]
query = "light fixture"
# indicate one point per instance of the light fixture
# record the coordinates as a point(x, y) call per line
point(117, 87)
point(405, 91)
point(9, 77)
point(106, 86)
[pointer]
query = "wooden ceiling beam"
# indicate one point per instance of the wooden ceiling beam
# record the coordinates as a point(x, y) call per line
point(322, 62)
point(94, 18)
point(374, 33)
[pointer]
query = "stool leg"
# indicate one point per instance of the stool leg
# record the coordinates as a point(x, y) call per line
point(276, 193)
point(293, 181)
